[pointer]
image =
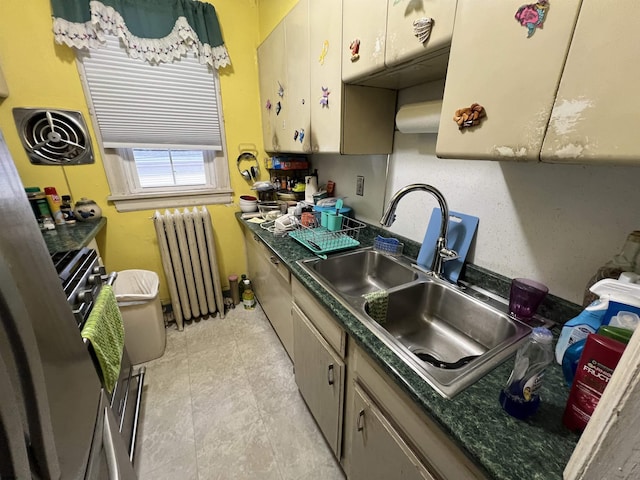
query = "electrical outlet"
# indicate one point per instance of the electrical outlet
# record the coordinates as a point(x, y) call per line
point(360, 185)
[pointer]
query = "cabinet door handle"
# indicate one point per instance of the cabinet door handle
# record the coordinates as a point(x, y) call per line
point(360, 420)
point(330, 376)
point(273, 259)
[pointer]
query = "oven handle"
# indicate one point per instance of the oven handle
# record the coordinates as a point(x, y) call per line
point(111, 278)
point(136, 417)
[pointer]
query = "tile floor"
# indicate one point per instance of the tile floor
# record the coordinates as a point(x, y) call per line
point(222, 403)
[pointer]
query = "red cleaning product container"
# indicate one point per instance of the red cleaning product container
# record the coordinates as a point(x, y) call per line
point(599, 358)
point(55, 202)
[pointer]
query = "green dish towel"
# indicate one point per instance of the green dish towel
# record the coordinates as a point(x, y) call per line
point(377, 304)
point(105, 330)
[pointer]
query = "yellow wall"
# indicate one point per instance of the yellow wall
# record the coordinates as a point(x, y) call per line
point(41, 73)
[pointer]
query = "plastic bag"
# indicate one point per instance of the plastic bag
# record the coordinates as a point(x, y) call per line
point(135, 287)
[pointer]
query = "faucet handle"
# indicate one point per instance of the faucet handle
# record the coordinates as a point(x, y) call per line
point(447, 254)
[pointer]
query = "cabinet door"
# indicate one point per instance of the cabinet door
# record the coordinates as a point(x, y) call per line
point(272, 74)
point(365, 21)
point(594, 118)
point(276, 301)
point(297, 116)
point(272, 289)
point(377, 451)
point(402, 44)
point(256, 264)
point(325, 33)
point(513, 77)
point(320, 378)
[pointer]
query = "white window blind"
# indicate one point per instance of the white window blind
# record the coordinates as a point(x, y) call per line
point(138, 105)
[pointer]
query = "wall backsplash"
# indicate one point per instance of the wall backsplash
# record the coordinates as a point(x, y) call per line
point(553, 223)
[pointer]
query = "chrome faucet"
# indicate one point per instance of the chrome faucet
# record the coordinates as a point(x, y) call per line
point(442, 253)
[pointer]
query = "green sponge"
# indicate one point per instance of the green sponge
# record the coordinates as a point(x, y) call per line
point(377, 303)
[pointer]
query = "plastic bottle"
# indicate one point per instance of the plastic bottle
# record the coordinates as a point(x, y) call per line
point(234, 289)
point(572, 356)
point(248, 297)
point(520, 398)
point(243, 277)
point(576, 329)
point(626, 261)
point(597, 363)
point(55, 202)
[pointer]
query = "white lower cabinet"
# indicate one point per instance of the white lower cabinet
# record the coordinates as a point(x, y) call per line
point(378, 452)
point(320, 377)
point(388, 437)
point(271, 284)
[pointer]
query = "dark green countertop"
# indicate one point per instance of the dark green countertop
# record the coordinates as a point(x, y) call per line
point(504, 447)
point(72, 237)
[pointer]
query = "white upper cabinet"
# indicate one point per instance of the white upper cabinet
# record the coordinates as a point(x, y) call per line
point(297, 120)
point(325, 34)
point(348, 119)
point(283, 62)
point(405, 19)
point(364, 26)
point(391, 51)
point(305, 106)
point(595, 115)
point(272, 75)
point(493, 62)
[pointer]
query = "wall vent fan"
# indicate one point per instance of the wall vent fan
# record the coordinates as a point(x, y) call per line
point(53, 137)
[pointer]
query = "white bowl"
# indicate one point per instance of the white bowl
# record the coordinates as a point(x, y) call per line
point(249, 208)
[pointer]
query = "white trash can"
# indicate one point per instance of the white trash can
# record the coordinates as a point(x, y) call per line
point(137, 295)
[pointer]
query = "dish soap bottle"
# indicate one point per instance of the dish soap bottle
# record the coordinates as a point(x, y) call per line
point(248, 297)
point(520, 398)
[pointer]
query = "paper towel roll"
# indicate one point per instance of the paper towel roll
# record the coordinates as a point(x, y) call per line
point(423, 117)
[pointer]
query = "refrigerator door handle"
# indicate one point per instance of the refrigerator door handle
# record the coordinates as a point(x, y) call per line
point(118, 463)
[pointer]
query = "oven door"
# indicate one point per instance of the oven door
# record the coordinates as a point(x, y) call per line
point(109, 458)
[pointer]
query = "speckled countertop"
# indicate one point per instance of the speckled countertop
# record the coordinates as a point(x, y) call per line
point(504, 447)
point(72, 237)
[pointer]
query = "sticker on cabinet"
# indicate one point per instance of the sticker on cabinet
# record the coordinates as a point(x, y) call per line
point(532, 16)
point(324, 101)
point(469, 116)
point(355, 50)
point(323, 52)
point(422, 28)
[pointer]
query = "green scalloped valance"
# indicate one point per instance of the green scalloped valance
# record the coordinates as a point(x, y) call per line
point(156, 30)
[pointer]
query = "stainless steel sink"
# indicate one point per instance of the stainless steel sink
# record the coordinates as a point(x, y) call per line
point(362, 271)
point(450, 337)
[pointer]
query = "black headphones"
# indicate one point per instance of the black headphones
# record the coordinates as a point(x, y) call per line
point(254, 171)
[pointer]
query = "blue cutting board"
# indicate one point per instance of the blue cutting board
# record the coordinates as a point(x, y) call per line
point(462, 228)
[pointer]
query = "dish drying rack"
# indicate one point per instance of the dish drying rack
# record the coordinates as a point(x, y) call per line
point(321, 240)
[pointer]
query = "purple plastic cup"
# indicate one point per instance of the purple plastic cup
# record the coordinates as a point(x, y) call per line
point(525, 297)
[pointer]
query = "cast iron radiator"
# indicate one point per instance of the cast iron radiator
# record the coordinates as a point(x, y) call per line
point(188, 252)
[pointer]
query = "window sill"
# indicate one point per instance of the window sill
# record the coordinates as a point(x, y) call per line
point(151, 201)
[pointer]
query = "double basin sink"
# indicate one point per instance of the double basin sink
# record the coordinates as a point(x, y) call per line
point(449, 335)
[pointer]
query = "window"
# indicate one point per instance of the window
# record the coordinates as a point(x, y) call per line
point(160, 128)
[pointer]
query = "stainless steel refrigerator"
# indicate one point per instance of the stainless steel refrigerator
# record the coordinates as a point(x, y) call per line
point(55, 420)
